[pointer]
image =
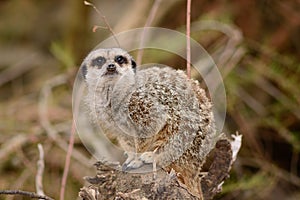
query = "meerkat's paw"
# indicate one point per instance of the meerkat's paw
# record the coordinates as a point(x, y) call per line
point(133, 161)
point(134, 164)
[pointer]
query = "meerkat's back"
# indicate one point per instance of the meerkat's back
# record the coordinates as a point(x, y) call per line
point(168, 111)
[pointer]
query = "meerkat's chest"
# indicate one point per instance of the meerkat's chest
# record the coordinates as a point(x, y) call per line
point(99, 103)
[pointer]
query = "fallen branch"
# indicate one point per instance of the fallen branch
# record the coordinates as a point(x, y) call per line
point(25, 193)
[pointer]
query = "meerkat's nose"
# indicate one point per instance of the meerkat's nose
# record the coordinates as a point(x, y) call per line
point(111, 67)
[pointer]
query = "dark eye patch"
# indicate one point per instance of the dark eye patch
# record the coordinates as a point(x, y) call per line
point(133, 65)
point(84, 71)
point(98, 62)
point(121, 59)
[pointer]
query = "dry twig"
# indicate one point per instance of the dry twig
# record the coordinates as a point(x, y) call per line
point(103, 19)
point(25, 193)
point(188, 38)
point(67, 163)
point(40, 172)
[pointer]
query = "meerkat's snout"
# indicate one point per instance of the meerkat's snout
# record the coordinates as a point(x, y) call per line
point(111, 67)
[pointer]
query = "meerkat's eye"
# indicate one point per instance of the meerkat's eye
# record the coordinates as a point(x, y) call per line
point(120, 59)
point(99, 61)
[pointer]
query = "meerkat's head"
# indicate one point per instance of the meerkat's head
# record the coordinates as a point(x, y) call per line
point(107, 64)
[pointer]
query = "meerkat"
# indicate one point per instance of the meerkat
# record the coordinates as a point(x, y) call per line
point(158, 113)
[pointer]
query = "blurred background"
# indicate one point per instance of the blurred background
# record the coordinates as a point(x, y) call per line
point(257, 50)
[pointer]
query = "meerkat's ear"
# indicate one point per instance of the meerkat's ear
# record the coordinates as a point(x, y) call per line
point(133, 65)
point(83, 69)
